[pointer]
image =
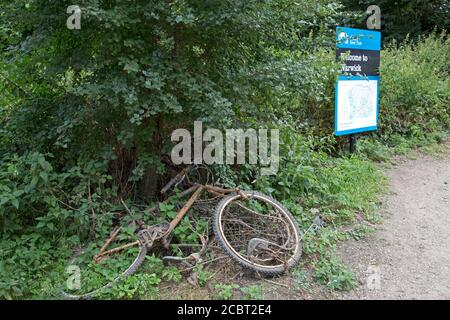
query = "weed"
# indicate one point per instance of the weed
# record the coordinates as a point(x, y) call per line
point(301, 279)
point(253, 292)
point(225, 291)
point(332, 273)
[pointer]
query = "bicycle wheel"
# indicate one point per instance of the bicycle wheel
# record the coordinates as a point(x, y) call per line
point(97, 276)
point(257, 232)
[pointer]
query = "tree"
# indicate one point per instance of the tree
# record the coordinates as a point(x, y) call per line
point(134, 72)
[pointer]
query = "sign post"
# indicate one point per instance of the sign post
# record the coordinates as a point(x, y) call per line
point(358, 85)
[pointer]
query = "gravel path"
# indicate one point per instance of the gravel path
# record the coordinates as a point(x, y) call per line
point(409, 257)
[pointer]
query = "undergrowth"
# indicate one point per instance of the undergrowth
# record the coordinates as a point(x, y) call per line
point(48, 204)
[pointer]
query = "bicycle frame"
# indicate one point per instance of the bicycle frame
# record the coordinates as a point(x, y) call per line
point(196, 190)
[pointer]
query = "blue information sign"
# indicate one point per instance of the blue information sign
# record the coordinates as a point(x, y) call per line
point(357, 88)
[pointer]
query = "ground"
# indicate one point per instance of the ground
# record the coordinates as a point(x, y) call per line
point(409, 256)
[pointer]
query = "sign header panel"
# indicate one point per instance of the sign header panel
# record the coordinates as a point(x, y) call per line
point(349, 38)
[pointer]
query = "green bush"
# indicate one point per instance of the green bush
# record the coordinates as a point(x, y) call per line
point(415, 88)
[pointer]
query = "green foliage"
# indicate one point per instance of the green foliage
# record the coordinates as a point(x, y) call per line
point(402, 18)
point(135, 286)
point(300, 279)
point(374, 150)
point(187, 231)
point(171, 274)
point(127, 78)
point(202, 274)
point(360, 232)
point(225, 291)
point(253, 292)
point(312, 179)
point(86, 116)
point(415, 89)
point(332, 273)
point(27, 266)
point(33, 193)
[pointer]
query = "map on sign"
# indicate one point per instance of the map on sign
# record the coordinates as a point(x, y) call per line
point(358, 100)
point(357, 87)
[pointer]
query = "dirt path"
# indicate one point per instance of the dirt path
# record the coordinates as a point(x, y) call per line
point(409, 257)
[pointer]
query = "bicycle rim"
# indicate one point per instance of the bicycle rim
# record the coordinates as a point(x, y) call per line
point(267, 241)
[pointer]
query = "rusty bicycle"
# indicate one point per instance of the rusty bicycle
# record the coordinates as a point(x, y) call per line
point(254, 229)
